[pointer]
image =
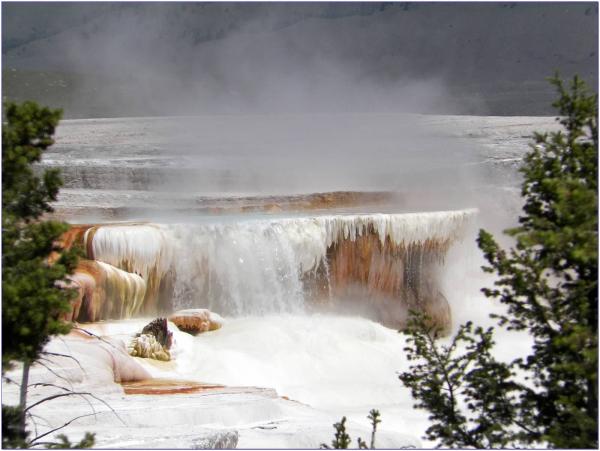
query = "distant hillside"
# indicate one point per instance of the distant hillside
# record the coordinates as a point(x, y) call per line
point(117, 59)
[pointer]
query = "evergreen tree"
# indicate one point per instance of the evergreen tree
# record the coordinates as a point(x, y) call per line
point(549, 283)
point(32, 301)
point(342, 440)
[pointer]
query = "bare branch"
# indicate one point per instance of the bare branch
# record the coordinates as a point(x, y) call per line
point(51, 397)
point(11, 381)
point(39, 418)
point(91, 334)
point(32, 442)
point(62, 395)
point(47, 384)
point(57, 354)
point(33, 421)
point(71, 389)
point(43, 384)
point(54, 372)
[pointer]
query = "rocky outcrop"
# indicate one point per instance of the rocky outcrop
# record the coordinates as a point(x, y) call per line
point(103, 292)
point(195, 321)
point(153, 342)
point(88, 277)
point(160, 330)
point(146, 346)
point(103, 357)
point(217, 440)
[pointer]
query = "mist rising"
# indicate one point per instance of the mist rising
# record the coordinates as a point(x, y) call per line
point(158, 59)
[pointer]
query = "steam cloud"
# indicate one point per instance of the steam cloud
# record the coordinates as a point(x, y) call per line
point(196, 58)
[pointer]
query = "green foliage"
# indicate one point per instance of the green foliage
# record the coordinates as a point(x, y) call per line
point(445, 382)
point(374, 417)
point(550, 280)
point(86, 442)
point(549, 284)
point(25, 135)
point(342, 439)
point(31, 300)
point(13, 436)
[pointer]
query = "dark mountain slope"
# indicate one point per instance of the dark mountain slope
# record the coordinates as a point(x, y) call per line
point(188, 58)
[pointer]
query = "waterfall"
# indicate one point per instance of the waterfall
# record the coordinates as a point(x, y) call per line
point(254, 266)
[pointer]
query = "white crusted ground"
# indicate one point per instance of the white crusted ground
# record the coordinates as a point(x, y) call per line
point(261, 418)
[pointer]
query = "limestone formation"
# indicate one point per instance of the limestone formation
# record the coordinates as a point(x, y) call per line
point(195, 321)
point(148, 347)
point(75, 304)
point(153, 342)
point(159, 329)
point(105, 292)
point(382, 280)
point(380, 265)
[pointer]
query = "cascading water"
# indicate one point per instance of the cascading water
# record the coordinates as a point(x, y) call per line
point(236, 269)
point(285, 265)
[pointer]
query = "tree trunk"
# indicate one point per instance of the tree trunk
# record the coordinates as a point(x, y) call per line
point(23, 396)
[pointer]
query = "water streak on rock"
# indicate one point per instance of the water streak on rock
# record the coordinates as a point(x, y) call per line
point(105, 291)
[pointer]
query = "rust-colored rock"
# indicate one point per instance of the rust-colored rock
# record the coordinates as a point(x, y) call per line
point(167, 387)
point(161, 386)
point(103, 292)
point(89, 278)
point(195, 321)
point(75, 304)
point(382, 279)
point(74, 236)
point(227, 205)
